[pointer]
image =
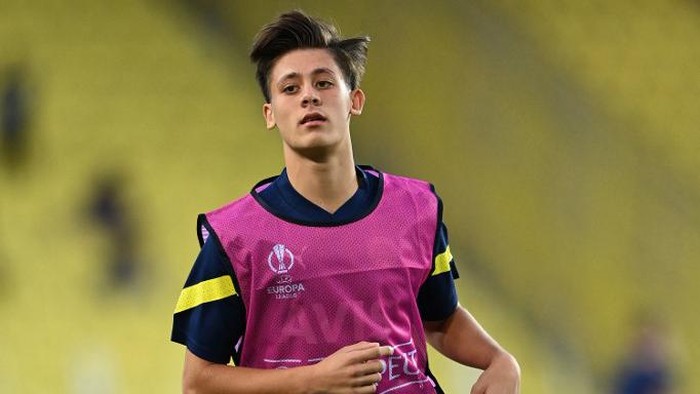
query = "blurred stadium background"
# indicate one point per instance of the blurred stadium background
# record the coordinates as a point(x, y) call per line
point(562, 136)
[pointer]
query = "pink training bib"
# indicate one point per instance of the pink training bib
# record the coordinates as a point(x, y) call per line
point(308, 291)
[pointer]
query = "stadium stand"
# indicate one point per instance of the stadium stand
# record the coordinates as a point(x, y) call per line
point(560, 136)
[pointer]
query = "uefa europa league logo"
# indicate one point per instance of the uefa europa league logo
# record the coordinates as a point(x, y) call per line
point(280, 259)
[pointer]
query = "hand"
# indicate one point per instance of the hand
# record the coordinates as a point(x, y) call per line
point(501, 377)
point(352, 369)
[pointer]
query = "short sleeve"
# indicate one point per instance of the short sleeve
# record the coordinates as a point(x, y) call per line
point(209, 315)
point(437, 297)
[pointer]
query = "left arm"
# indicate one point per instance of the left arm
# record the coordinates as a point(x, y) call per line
point(461, 338)
point(453, 331)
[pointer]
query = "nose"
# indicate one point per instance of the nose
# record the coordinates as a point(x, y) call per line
point(310, 98)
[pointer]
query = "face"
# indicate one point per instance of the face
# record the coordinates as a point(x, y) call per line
point(310, 102)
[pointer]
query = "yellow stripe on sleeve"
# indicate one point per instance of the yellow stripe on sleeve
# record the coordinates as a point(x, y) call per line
point(206, 291)
point(442, 262)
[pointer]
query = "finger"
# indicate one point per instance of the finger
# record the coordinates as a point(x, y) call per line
point(366, 389)
point(478, 388)
point(369, 367)
point(372, 353)
point(359, 370)
point(361, 356)
point(386, 351)
point(367, 380)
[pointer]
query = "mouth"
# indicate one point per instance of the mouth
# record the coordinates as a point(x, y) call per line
point(312, 118)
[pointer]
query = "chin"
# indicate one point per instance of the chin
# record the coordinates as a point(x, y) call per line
point(315, 151)
point(316, 141)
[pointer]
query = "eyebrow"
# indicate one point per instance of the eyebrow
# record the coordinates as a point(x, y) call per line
point(294, 74)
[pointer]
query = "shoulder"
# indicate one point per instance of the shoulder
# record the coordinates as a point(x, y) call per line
point(233, 205)
point(416, 197)
point(417, 187)
point(244, 202)
point(242, 209)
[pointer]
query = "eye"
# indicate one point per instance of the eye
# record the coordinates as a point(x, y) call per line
point(323, 84)
point(290, 89)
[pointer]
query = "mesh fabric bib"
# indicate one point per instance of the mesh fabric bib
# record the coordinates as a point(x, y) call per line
point(310, 290)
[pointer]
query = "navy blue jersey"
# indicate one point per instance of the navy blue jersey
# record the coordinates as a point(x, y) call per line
point(210, 316)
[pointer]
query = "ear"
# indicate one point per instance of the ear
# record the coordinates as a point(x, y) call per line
point(269, 116)
point(357, 98)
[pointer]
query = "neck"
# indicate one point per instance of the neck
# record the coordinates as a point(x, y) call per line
point(327, 183)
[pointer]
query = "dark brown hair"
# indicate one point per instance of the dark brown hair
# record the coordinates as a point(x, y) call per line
point(296, 30)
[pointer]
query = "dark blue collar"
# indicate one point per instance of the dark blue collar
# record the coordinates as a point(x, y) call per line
point(281, 199)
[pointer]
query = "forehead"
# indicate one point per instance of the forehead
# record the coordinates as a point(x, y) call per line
point(304, 62)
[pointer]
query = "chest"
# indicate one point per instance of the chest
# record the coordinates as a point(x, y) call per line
point(283, 262)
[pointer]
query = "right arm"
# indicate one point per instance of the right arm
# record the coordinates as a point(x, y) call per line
point(352, 369)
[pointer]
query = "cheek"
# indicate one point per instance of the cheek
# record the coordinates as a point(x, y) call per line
point(281, 108)
point(282, 116)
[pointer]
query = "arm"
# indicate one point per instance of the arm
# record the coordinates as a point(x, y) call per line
point(355, 367)
point(462, 339)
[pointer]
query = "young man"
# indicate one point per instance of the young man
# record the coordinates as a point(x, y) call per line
point(329, 278)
